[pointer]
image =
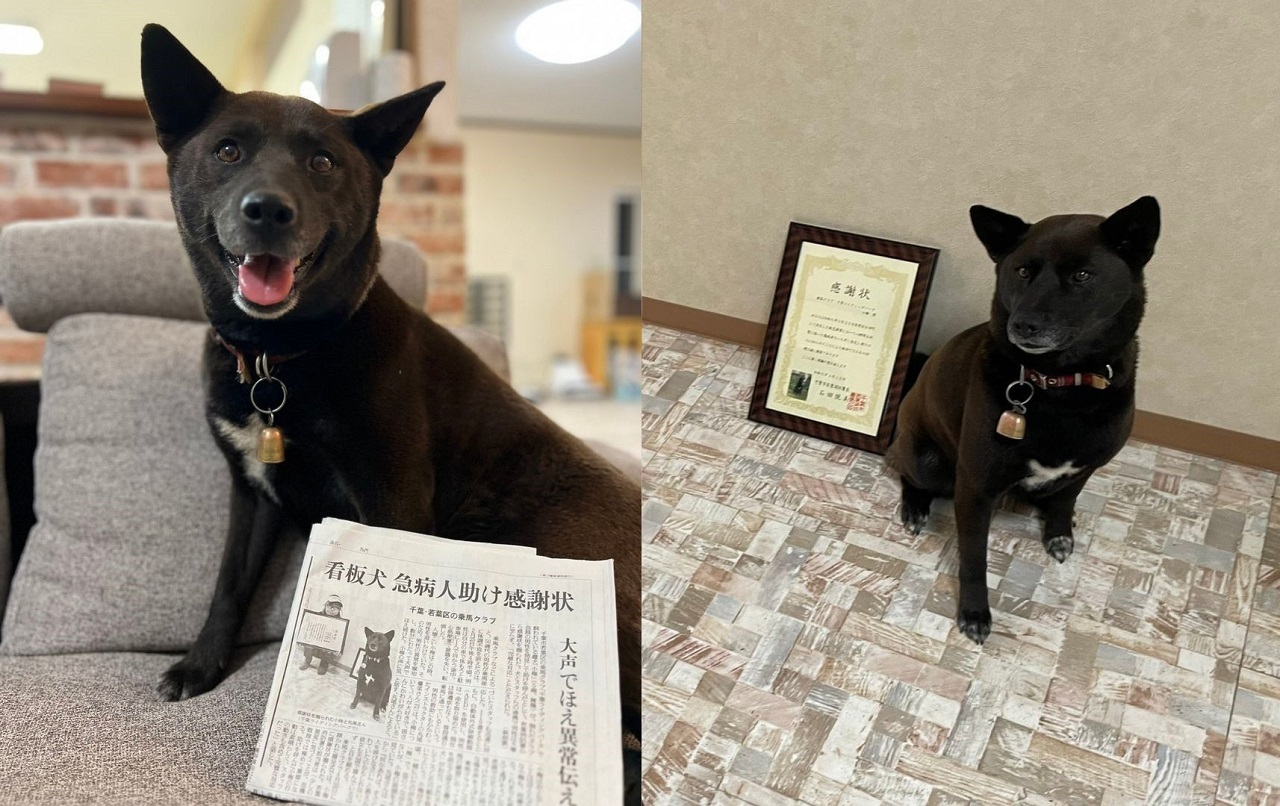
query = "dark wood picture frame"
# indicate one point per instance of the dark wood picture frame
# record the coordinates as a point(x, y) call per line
point(355, 664)
point(346, 628)
point(798, 234)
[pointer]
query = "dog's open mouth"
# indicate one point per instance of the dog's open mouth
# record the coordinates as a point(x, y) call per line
point(267, 280)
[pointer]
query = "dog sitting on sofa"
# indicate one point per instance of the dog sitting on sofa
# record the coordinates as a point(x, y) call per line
point(328, 394)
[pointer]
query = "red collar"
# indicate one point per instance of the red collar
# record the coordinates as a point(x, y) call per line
point(245, 368)
point(1074, 379)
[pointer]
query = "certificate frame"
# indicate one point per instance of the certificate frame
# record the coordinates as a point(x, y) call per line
point(319, 616)
point(907, 310)
point(355, 664)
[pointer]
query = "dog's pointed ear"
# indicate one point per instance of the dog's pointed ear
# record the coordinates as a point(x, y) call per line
point(1131, 231)
point(180, 91)
point(368, 633)
point(390, 634)
point(999, 232)
point(383, 130)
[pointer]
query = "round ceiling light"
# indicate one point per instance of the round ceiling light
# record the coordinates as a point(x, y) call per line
point(575, 31)
point(20, 40)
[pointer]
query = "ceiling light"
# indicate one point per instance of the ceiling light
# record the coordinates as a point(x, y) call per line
point(308, 90)
point(20, 40)
point(322, 55)
point(575, 31)
point(378, 8)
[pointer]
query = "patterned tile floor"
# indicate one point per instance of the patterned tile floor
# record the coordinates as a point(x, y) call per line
point(800, 645)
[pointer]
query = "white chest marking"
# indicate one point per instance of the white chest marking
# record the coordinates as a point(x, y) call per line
point(245, 440)
point(1042, 476)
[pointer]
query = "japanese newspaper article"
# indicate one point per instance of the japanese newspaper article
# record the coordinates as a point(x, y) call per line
point(422, 670)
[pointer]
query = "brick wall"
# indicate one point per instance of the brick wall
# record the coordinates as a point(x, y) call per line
point(67, 166)
point(55, 167)
point(422, 201)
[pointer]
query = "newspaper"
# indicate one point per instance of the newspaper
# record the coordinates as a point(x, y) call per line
point(420, 670)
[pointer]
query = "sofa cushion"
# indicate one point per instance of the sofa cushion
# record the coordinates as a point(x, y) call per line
point(131, 498)
point(89, 729)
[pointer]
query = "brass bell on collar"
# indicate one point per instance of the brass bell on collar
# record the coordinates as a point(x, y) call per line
point(270, 446)
point(1012, 425)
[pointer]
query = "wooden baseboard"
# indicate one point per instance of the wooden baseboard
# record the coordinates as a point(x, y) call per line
point(1159, 429)
point(704, 323)
point(1207, 440)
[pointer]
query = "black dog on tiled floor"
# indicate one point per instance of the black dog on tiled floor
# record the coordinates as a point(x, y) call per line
point(1038, 398)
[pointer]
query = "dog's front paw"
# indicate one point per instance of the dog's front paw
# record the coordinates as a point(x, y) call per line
point(1060, 547)
point(186, 679)
point(975, 624)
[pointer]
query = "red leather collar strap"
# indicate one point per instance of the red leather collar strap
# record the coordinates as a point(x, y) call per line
point(1074, 379)
point(245, 368)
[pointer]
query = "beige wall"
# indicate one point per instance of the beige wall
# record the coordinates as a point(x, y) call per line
point(98, 42)
point(891, 119)
point(308, 30)
point(540, 211)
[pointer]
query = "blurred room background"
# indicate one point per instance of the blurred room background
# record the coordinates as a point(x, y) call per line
point(522, 190)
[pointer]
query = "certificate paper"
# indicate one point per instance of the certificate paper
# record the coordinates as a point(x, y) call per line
point(840, 337)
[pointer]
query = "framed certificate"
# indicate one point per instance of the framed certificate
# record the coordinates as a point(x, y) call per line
point(323, 632)
point(845, 319)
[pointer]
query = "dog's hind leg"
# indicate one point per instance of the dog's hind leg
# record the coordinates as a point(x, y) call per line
point(252, 534)
point(915, 507)
point(926, 474)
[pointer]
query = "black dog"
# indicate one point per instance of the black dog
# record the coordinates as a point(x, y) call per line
point(1037, 399)
point(373, 678)
point(389, 419)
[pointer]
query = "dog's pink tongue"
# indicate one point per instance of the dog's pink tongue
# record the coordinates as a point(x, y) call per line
point(266, 279)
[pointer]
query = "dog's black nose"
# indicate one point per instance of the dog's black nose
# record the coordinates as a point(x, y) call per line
point(1025, 329)
point(267, 210)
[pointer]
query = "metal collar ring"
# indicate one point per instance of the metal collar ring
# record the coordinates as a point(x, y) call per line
point(284, 394)
point(1008, 392)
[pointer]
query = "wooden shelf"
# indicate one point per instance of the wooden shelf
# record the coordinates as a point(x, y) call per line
point(599, 336)
point(92, 105)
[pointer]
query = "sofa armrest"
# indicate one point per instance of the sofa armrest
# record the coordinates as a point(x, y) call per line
point(626, 462)
point(486, 345)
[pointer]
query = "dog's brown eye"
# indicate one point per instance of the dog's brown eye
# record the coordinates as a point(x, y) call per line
point(1024, 272)
point(1081, 276)
point(228, 152)
point(322, 163)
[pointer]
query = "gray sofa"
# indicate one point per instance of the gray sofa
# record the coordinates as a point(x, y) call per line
point(130, 502)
